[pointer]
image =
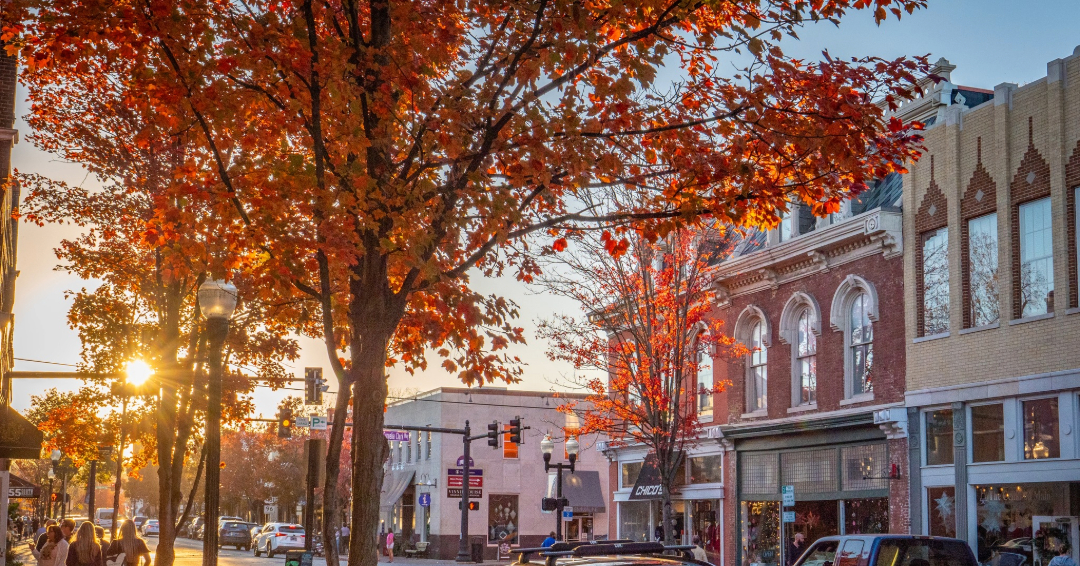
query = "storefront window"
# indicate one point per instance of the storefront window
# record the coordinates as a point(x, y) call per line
point(706, 469)
point(502, 519)
point(1026, 511)
point(630, 472)
point(866, 516)
point(706, 515)
point(939, 432)
point(988, 433)
point(813, 519)
point(760, 524)
point(1041, 438)
point(634, 520)
point(941, 502)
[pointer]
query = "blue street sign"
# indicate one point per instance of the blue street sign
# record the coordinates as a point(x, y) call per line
point(568, 513)
point(424, 500)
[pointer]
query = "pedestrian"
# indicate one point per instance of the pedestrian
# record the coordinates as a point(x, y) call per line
point(35, 524)
point(390, 544)
point(550, 540)
point(86, 550)
point(100, 533)
point(344, 536)
point(796, 548)
point(42, 538)
point(697, 551)
point(54, 549)
point(67, 526)
point(1063, 558)
point(130, 544)
point(18, 528)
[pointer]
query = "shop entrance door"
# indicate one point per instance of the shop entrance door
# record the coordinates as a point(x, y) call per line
point(1052, 532)
point(580, 528)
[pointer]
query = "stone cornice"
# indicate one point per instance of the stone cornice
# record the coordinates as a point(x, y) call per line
point(8, 134)
point(878, 230)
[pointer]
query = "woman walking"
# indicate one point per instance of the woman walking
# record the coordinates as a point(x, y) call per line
point(130, 544)
point(86, 550)
point(54, 551)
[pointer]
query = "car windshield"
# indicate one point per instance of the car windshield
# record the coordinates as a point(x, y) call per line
point(1006, 559)
point(291, 529)
point(820, 553)
point(922, 552)
point(234, 525)
point(152, 521)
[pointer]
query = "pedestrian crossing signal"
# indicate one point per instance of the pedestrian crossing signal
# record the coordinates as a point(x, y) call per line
point(473, 505)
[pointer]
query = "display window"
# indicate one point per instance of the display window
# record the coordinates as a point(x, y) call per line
point(1041, 516)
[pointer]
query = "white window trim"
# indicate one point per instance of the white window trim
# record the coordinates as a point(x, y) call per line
point(922, 440)
point(789, 334)
point(1063, 439)
point(969, 422)
point(923, 237)
point(743, 325)
point(840, 321)
point(702, 330)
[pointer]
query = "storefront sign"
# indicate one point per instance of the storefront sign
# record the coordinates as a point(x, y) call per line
point(396, 435)
point(455, 492)
point(23, 492)
point(648, 484)
point(788, 494)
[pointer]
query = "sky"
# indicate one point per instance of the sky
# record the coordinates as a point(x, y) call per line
point(990, 42)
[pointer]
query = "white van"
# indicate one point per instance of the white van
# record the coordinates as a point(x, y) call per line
point(103, 518)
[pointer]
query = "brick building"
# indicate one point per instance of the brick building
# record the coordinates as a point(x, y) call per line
point(993, 324)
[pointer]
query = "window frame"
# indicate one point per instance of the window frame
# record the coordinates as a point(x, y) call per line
point(970, 424)
point(924, 239)
point(744, 326)
point(760, 399)
point(702, 352)
point(925, 415)
point(800, 303)
point(968, 276)
point(1062, 439)
point(1020, 236)
point(808, 331)
point(840, 321)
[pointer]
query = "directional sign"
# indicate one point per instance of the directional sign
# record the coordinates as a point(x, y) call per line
point(318, 422)
point(455, 492)
point(461, 471)
point(568, 513)
point(303, 422)
point(789, 516)
point(424, 500)
point(455, 481)
point(396, 435)
point(787, 492)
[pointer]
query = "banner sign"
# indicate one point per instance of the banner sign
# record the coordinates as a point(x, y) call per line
point(396, 435)
point(455, 492)
point(32, 492)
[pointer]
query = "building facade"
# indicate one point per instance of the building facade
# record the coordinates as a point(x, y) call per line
point(421, 492)
point(993, 324)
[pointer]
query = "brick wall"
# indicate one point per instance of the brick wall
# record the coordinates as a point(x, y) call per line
point(8, 79)
point(932, 214)
point(980, 199)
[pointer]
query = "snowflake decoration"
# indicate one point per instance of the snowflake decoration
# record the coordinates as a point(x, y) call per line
point(994, 509)
point(944, 506)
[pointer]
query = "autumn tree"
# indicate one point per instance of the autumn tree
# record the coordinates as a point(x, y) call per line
point(368, 158)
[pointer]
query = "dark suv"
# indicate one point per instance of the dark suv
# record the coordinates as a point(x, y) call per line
point(235, 533)
point(887, 550)
point(611, 553)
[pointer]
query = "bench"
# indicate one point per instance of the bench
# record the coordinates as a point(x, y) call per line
point(419, 552)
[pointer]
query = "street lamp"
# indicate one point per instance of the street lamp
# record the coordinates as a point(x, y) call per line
point(547, 446)
point(136, 373)
point(63, 471)
point(217, 300)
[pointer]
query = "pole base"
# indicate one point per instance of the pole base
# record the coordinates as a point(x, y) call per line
point(463, 558)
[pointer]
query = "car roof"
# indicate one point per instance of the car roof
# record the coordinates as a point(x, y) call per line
point(885, 536)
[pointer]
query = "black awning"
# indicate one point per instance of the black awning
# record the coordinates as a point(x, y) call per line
point(648, 484)
point(19, 438)
point(581, 489)
point(19, 488)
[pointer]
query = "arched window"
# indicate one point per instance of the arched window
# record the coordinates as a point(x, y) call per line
point(757, 380)
point(704, 379)
point(806, 358)
point(862, 345)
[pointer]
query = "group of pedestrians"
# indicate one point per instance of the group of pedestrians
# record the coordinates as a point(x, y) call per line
point(61, 545)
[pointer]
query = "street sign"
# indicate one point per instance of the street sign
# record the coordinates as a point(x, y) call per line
point(461, 471)
point(461, 461)
point(318, 422)
point(396, 435)
point(424, 500)
point(454, 477)
point(789, 516)
point(455, 492)
point(568, 514)
point(788, 494)
point(303, 421)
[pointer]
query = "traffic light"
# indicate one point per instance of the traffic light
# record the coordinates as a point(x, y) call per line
point(314, 386)
point(54, 497)
point(493, 434)
point(515, 430)
point(285, 423)
point(473, 506)
point(549, 504)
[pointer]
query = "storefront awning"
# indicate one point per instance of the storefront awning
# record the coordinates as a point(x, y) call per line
point(19, 438)
point(648, 484)
point(19, 488)
point(581, 489)
point(394, 484)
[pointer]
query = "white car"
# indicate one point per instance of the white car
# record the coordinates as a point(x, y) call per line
point(150, 527)
point(275, 538)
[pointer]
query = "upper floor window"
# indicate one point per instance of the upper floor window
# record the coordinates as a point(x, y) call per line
point(629, 474)
point(704, 379)
point(427, 446)
point(806, 358)
point(787, 225)
point(862, 345)
point(1036, 258)
point(983, 270)
point(757, 378)
point(1042, 438)
point(935, 275)
point(939, 437)
point(510, 449)
point(988, 433)
point(408, 449)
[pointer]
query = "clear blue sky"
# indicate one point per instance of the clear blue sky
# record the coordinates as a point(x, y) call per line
point(990, 42)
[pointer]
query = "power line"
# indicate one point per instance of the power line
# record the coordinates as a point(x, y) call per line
point(44, 362)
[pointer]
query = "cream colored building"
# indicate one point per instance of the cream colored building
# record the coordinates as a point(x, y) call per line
point(993, 324)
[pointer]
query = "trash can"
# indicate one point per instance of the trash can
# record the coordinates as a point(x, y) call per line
point(478, 551)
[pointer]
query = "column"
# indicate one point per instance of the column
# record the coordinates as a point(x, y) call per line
point(960, 470)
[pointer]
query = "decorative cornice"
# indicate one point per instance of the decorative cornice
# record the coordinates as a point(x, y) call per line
point(8, 134)
point(875, 231)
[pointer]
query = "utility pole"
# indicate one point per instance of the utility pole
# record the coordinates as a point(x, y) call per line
point(91, 490)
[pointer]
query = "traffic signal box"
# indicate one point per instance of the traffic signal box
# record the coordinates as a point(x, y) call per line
point(515, 430)
point(285, 423)
point(493, 434)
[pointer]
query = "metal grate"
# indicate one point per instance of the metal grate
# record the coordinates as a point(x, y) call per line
point(758, 474)
point(810, 471)
point(865, 461)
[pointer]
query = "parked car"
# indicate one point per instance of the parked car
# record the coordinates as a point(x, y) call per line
point(150, 527)
point(255, 530)
point(192, 528)
point(1016, 552)
point(279, 537)
point(138, 520)
point(887, 550)
point(234, 533)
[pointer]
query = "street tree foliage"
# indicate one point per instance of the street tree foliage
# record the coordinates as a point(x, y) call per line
point(359, 161)
point(646, 339)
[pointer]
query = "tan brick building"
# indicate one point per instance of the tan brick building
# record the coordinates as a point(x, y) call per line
point(992, 317)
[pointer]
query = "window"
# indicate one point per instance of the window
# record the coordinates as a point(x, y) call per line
point(503, 519)
point(427, 448)
point(758, 377)
point(1036, 258)
point(988, 433)
point(1041, 438)
point(935, 273)
point(399, 444)
point(806, 358)
point(510, 449)
point(939, 438)
point(630, 473)
point(704, 380)
point(942, 504)
point(983, 270)
point(862, 345)
point(408, 449)
point(707, 469)
point(787, 225)
point(1076, 231)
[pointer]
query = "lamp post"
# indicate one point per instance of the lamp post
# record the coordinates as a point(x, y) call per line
point(64, 472)
point(547, 446)
point(50, 509)
point(136, 373)
point(217, 300)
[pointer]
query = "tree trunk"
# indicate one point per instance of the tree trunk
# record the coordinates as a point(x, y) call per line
point(669, 534)
point(331, 501)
